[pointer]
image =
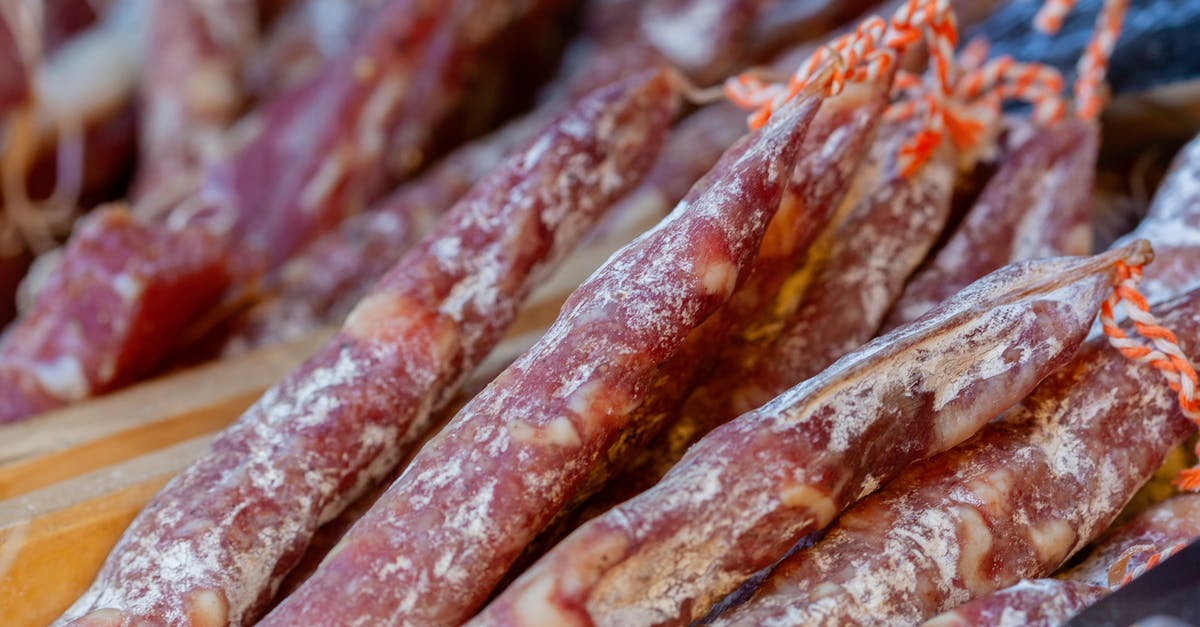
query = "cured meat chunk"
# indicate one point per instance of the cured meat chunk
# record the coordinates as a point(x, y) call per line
point(108, 313)
point(433, 546)
point(724, 513)
point(221, 535)
point(1031, 603)
point(1015, 502)
point(1036, 205)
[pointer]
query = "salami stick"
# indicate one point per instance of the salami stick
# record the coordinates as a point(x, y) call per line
point(1131, 546)
point(722, 513)
point(433, 546)
point(1036, 205)
point(1114, 559)
point(1015, 502)
point(191, 90)
point(363, 247)
point(1030, 603)
point(866, 258)
point(692, 149)
point(1057, 222)
point(121, 306)
point(324, 281)
point(361, 242)
point(387, 94)
point(834, 148)
point(218, 539)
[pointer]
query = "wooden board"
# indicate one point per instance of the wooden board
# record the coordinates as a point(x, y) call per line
point(73, 479)
point(53, 540)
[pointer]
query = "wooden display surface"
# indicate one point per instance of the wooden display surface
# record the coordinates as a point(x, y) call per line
point(72, 480)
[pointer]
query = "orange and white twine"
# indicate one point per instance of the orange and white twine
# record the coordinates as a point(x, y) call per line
point(974, 101)
point(958, 98)
point(869, 53)
point(1092, 68)
point(934, 21)
point(1049, 18)
point(1090, 90)
point(1155, 560)
point(854, 57)
point(1165, 354)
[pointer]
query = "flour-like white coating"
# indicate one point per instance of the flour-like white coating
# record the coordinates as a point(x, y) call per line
point(1012, 618)
point(686, 37)
point(994, 341)
point(331, 21)
point(64, 377)
point(128, 287)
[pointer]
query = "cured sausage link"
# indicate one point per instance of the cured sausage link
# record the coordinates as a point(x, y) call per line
point(1013, 503)
point(433, 547)
point(1030, 603)
point(1110, 562)
point(723, 513)
point(833, 151)
point(1036, 205)
point(329, 146)
point(1130, 546)
point(866, 257)
point(325, 280)
point(215, 543)
point(808, 325)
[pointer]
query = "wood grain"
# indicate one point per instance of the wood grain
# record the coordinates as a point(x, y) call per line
point(53, 540)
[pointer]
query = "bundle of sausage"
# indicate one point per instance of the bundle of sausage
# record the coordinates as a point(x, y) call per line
point(853, 376)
